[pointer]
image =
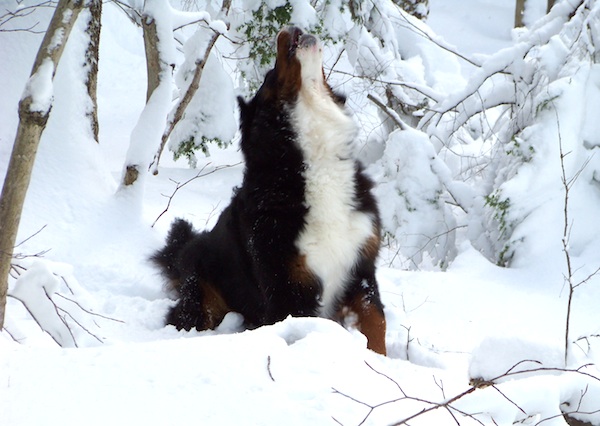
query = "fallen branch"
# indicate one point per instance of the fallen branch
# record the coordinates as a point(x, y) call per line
point(448, 403)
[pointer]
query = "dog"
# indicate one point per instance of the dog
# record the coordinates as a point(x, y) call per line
point(302, 233)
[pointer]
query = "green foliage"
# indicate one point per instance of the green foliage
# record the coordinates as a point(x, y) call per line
point(545, 104)
point(189, 147)
point(417, 8)
point(520, 149)
point(501, 208)
point(263, 28)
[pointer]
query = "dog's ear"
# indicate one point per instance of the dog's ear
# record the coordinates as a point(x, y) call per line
point(338, 98)
point(246, 111)
point(242, 104)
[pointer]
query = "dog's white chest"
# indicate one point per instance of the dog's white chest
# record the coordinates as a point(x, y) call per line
point(335, 231)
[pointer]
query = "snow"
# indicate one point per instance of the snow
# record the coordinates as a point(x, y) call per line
point(85, 248)
point(39, 88)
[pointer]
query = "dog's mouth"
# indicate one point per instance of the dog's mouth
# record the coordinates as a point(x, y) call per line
point(295, 35)
point(298, 40)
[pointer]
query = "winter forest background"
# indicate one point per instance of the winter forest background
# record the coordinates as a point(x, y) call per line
point(482, 140)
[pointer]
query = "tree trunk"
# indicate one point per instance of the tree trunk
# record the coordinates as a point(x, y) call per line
point(550, 4)
point(153, 68)
point(33, 116)
point(519, 11)
point(154, 71)
point(91, 59)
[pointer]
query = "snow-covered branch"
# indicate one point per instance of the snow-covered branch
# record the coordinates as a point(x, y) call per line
point(177, 113)
point(578, 393)
point(59, 305)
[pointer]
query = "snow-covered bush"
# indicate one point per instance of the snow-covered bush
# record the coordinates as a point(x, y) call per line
point(419, 221)
point(209, 118)
point(398, 74)
point(550, 117)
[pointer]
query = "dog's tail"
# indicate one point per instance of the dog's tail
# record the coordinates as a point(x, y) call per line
point(167, 258)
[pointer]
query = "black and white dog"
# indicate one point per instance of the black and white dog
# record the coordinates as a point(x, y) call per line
point(301, 235)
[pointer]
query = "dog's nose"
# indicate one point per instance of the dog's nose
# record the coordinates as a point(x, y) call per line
point(307, 40)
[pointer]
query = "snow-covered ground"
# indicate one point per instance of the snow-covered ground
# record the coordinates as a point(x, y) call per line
point(474, 321)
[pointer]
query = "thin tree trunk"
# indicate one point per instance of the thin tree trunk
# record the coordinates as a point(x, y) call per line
point(550, 4)
point(33, 116)
point(154, 71)
point(153, 68)
point(519, 11)
point(91, 58)
point(185, 100)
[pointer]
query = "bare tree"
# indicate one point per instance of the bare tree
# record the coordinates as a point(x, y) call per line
point(34, 111)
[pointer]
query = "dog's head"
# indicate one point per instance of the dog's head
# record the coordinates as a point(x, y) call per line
point(299, 62)
point(299, 65)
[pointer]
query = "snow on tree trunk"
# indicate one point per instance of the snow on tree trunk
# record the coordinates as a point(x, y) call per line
point(146, 136)
point(34, 110)
point(210, 118)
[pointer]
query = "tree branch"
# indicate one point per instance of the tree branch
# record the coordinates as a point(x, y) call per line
point(185, 100)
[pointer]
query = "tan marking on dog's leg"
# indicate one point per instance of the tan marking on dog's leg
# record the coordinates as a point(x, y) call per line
point(371, 247)
point(214, 306)
point(300, 272)
point(370, 321)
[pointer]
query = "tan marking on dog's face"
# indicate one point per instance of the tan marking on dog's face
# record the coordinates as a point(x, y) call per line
point(287, 66)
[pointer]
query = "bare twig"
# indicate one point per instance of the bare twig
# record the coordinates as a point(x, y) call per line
point(269, 368)
point(569, 277)
point(64, 316)
point(179, 185)
point(87, 311)
point(448, 403)
point(23, 12)
point(31, 236)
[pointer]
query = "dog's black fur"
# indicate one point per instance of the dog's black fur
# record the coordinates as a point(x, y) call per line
point(249, 262)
